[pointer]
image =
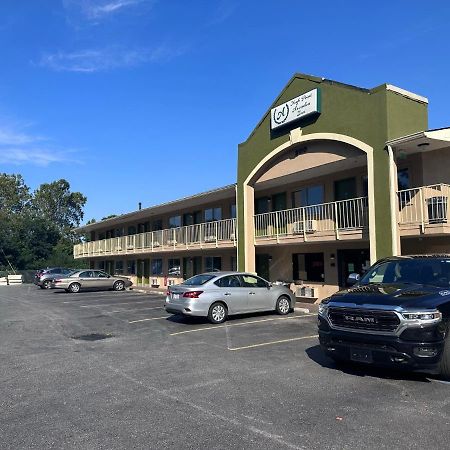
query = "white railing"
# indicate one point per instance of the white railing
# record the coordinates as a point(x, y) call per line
point(305, 221)
point(423, 205)
point(182, 238)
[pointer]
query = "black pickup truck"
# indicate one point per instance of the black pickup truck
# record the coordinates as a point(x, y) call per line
point(397, 315)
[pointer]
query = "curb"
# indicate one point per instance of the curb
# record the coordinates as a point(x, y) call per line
point(303, 310)
point(147, 291)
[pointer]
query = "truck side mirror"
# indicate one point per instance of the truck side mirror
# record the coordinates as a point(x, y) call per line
point(352, 279)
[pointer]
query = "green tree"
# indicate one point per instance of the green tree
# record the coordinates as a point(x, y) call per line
point(57, 203)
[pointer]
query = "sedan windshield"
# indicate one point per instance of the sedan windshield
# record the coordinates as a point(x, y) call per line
point(198, 280)
point(429, 271)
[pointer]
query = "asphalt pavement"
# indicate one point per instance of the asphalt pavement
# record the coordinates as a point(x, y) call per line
point(113, 370)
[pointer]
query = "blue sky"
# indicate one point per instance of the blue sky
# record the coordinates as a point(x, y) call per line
point(146, 101)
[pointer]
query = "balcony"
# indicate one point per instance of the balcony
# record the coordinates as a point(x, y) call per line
point(424, 210)
point(219, 234)
point(346, 219)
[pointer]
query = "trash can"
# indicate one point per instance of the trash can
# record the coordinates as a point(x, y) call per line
point(437, 209)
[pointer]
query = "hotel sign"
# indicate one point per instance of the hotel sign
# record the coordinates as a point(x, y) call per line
point(299, 107)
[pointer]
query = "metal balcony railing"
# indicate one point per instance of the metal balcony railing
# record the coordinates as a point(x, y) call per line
point(425, 205)
point(309, 220)
point(182, 238)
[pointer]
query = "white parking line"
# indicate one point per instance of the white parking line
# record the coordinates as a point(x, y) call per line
point(216, 327)
point(111, 304)
point(146, 320)
point(140, 309)
point(262, 344)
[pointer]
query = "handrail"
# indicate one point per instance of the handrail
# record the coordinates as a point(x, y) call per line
point(201, 235)
point(306, 220)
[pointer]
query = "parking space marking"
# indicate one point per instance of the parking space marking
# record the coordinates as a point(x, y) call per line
point(262, 344)
point(146, 320)
point(216, 327)
point(140, 309)
point(111, 304)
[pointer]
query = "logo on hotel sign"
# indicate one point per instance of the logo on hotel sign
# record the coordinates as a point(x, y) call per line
point(302, 106)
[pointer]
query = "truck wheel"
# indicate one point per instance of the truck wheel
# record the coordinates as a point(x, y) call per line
point(444, 365)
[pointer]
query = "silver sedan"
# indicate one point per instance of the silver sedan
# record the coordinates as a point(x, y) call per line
point(219, 294)
point(91, 279)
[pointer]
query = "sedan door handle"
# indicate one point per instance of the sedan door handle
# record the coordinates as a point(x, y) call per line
point(227, 293)
point(252, 293)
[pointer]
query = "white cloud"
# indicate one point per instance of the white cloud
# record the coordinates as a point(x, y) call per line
point(97, 60)
point(18, 147)
point(98, 9)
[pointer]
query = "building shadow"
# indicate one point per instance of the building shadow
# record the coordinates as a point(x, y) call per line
point(316, 354)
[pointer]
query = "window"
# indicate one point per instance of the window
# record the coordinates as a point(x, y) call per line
point(192, 218)
point(212, 214)
point(101, 265)
point(118, 267)
point(197, 280)
point(308, 266)
point(253, 282)
point(100, 274)
point(157, 266)
point(174, 267)
point(157, 225)
point(175, 222)
point(231, 281)
point(308, 196)
point(403, 179)
point(131, 267)
point(131, 230)
point(213, 263)
point(101, 236)
point(233, 264)
point(233, 211)
point(262, 205)
point(279, 201)
point(86, 274)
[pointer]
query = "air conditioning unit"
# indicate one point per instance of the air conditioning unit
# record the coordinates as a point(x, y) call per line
point(210, 238)
point(130, 247)
point(306, 292)
point(298, 227)
point(172, 242)
point(118, 248)
point(156, 244)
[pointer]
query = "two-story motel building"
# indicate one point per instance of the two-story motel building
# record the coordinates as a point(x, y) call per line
point(332, 178)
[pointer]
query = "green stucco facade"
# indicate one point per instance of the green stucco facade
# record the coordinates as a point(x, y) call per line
point(372, 116)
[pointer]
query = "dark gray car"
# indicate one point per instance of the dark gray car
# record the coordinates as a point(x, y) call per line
point(216, 295)
point(44, 278)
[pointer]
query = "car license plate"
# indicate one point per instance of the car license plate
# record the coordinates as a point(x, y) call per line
point(175, 296)
point(361, 355)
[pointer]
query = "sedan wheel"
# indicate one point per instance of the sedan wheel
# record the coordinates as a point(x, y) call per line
point(119, 286)
point(46, 284)
point(74, 288)
point(283, 306)
point(217, 313)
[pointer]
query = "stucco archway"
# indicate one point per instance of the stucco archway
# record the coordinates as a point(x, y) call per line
point(246, 239)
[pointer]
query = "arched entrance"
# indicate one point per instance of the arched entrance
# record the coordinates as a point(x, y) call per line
point(297, 143)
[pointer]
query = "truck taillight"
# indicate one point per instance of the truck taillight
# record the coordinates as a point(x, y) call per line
point(192, 294)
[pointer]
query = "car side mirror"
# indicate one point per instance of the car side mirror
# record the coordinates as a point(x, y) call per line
point(352, 279)
point(269, 285)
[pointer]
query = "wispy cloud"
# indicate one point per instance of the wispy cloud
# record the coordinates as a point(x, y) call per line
point(17, 147)
point(223, 12)
point(99, 9)
point(98, 60)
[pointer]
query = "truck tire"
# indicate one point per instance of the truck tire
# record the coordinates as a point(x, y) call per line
point(444, 365)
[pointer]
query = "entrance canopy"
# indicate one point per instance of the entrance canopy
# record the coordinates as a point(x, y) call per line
point(422, 141)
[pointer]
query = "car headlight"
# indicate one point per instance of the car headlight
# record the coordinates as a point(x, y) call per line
point(323, 308)
point(428, 316)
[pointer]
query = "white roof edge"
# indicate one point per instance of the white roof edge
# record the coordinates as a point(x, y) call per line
point(404, 92)
point(440, 134)
point(148, 209)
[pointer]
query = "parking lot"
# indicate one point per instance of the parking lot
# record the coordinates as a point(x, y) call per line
point(114, 370)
